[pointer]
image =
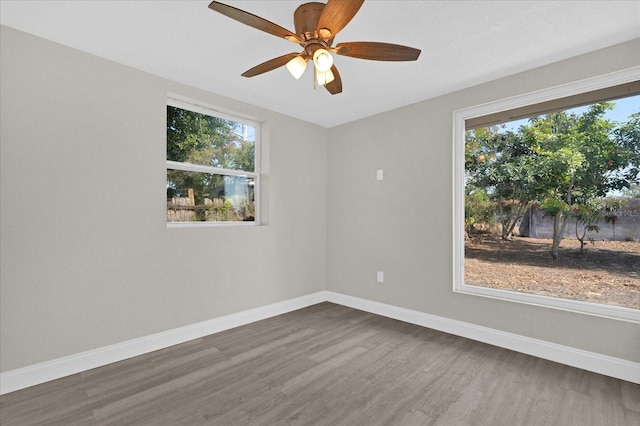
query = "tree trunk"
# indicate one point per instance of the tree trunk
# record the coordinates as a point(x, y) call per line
point(581, 239)
point(558, 234)
point(509, 224)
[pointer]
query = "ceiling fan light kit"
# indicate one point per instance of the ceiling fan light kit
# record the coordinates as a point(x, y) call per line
point(297, 66)
point(322, 60)
point(316, 26)
point(325, 77)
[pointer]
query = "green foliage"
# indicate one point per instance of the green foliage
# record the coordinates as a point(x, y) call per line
point(627, 138)
point(560, 159)
point(587, 215)
point(502, 165)
point(478, 209)
point(210, 141)
point(577, 154)
point(553, 206)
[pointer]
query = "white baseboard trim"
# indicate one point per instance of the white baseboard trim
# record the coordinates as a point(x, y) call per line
point(590, 361)
point(50, 370)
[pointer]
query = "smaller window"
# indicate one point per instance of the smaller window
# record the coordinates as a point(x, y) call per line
point(212, 167)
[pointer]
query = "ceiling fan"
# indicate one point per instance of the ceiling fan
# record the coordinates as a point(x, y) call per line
point(316, 26)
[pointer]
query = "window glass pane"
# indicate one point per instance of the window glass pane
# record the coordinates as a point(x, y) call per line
point(205, 197)
point(209, 141)
point(552, 202)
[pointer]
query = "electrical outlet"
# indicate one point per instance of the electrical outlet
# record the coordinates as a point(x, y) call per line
point(380, 276)
point(379, 174)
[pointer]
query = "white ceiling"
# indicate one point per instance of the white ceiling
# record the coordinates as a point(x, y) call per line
point(463, 43)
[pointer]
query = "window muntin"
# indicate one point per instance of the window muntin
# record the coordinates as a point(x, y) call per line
point(603, 88)
point(212, 167)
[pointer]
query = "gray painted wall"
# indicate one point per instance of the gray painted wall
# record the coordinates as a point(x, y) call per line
point(87, 260)
point(403, 224)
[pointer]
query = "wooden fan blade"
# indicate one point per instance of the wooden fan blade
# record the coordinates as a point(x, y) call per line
point(336, 15)
point(254, 21)
point(377, 51)
point(335, 86)
point(270, 65)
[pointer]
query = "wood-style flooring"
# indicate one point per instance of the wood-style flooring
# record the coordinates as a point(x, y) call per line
point(328, 365)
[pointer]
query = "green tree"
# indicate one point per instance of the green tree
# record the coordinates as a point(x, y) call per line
point(581, 157)
point(477, 209)
point(558, 160)
point(502, 163)
point(627, 137)
point(588, 216)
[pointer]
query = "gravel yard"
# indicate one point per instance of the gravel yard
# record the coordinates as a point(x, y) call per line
point(608, 272)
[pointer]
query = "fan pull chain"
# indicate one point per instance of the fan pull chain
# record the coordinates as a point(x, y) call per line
point(313, 75)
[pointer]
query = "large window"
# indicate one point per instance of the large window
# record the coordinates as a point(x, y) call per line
point(546, 198)
point(212, 167)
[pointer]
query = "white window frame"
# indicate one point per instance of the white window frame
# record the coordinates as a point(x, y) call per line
point(459, 128)
point(188, 167)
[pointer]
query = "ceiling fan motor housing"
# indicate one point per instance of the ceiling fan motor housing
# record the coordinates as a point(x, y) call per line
point(306, 18)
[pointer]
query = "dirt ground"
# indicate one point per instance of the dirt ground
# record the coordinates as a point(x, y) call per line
point(608, 272)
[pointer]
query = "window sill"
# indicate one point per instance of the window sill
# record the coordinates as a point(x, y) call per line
point(178, 225)
point(606, 311)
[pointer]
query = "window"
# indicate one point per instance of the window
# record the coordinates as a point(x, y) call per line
point(495, 122)
point(212, 167)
